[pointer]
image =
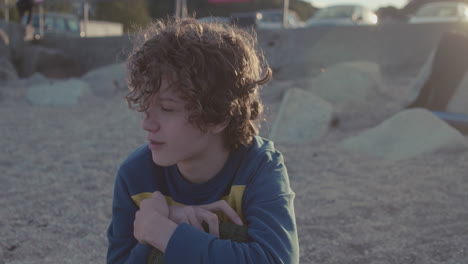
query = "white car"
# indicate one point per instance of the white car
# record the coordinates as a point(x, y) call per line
point(441, 12)
point(273, 19)
point(343, 15)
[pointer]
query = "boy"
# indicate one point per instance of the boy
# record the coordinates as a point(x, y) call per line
point(197, 85)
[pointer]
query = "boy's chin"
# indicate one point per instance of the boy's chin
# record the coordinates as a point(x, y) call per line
point(161, 162)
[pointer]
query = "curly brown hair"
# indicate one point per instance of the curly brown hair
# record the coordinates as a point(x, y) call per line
point(217, 71)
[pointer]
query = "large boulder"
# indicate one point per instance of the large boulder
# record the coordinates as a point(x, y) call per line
point(7, 70)
point(107, 80)
point(347, 83)
point(459, 101)
point(51, 63)
point(407, 134)
point(443, 73)
point(35, 80)
point(15, 33)
point(302, 117)
point(58, 93)
point(271, 95)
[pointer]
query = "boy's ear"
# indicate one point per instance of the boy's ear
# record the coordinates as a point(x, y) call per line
point(218, 128)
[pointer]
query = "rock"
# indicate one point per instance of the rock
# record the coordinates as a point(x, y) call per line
point(7, 70)
point(417, 85)
point(446, 73)
point(459, 101)
point(15, 33)
point(271, 95)
point(408, 134)
point(51, 63)
point(302, 117)
point(347, 83)
point(107, 80)
point(35, 79)
point(58, 93)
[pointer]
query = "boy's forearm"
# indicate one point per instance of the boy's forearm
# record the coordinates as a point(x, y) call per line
point(161, 234)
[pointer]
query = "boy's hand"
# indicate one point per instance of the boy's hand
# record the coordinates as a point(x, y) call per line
point(151, 225)
point(157, 202)
point(196, 215)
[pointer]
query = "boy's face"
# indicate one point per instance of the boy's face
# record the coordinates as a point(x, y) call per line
point(172, 139)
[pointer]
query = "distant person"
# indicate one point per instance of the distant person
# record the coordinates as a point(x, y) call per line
point(24, 6)
point(204, 165)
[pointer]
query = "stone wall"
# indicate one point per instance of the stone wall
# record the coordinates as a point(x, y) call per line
point(395, 47)
point(294, 53)
point(92, 53)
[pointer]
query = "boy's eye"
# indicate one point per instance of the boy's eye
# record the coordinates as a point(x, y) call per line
point(166, 109)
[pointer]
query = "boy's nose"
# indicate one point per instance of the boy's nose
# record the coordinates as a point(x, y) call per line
point(149, 124)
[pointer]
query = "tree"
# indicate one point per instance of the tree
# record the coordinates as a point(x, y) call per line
point(12, 12)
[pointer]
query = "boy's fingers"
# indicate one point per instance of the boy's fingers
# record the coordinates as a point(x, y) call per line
point(157, 195)
point(212, 220)
point(193, 220)
point(223, 206)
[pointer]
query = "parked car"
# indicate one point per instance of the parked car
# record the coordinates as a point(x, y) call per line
point(210, 19)
point(245, 19)
point(266, 19)
point(273, 18)
point(57, 24)
point(441, 12)
point(343, 15)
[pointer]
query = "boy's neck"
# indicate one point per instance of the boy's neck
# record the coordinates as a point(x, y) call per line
point(206, 166)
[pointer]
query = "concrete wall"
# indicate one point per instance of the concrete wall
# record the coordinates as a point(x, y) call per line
point(92, 53)
point(15, 33)
point(297, 53)
point(396, 47)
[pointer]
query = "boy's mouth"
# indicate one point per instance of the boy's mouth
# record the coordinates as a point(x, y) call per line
point(153, 144)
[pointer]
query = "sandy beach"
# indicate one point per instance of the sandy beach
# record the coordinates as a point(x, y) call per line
point(59, 165)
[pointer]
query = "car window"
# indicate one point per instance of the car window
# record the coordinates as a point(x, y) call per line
point(73, 25)
point(60, 24)
point(48, 22)
point(272, 17)
point(437, 11)
point(336, 12)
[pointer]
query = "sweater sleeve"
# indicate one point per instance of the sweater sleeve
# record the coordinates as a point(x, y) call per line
point(123, 247)
point(269, 213)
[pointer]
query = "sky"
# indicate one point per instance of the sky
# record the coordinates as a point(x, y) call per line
point(373, 4)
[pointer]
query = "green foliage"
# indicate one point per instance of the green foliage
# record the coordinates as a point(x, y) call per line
point(57, 6)
point(131, 13)
point(12, 12)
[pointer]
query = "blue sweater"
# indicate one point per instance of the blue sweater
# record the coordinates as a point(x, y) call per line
point(254, 182)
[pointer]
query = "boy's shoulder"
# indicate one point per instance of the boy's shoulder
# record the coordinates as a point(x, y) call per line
point(259, 154)
point(262, 148)
point(263, 168)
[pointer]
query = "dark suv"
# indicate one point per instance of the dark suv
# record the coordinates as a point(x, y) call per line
point(56, 24)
